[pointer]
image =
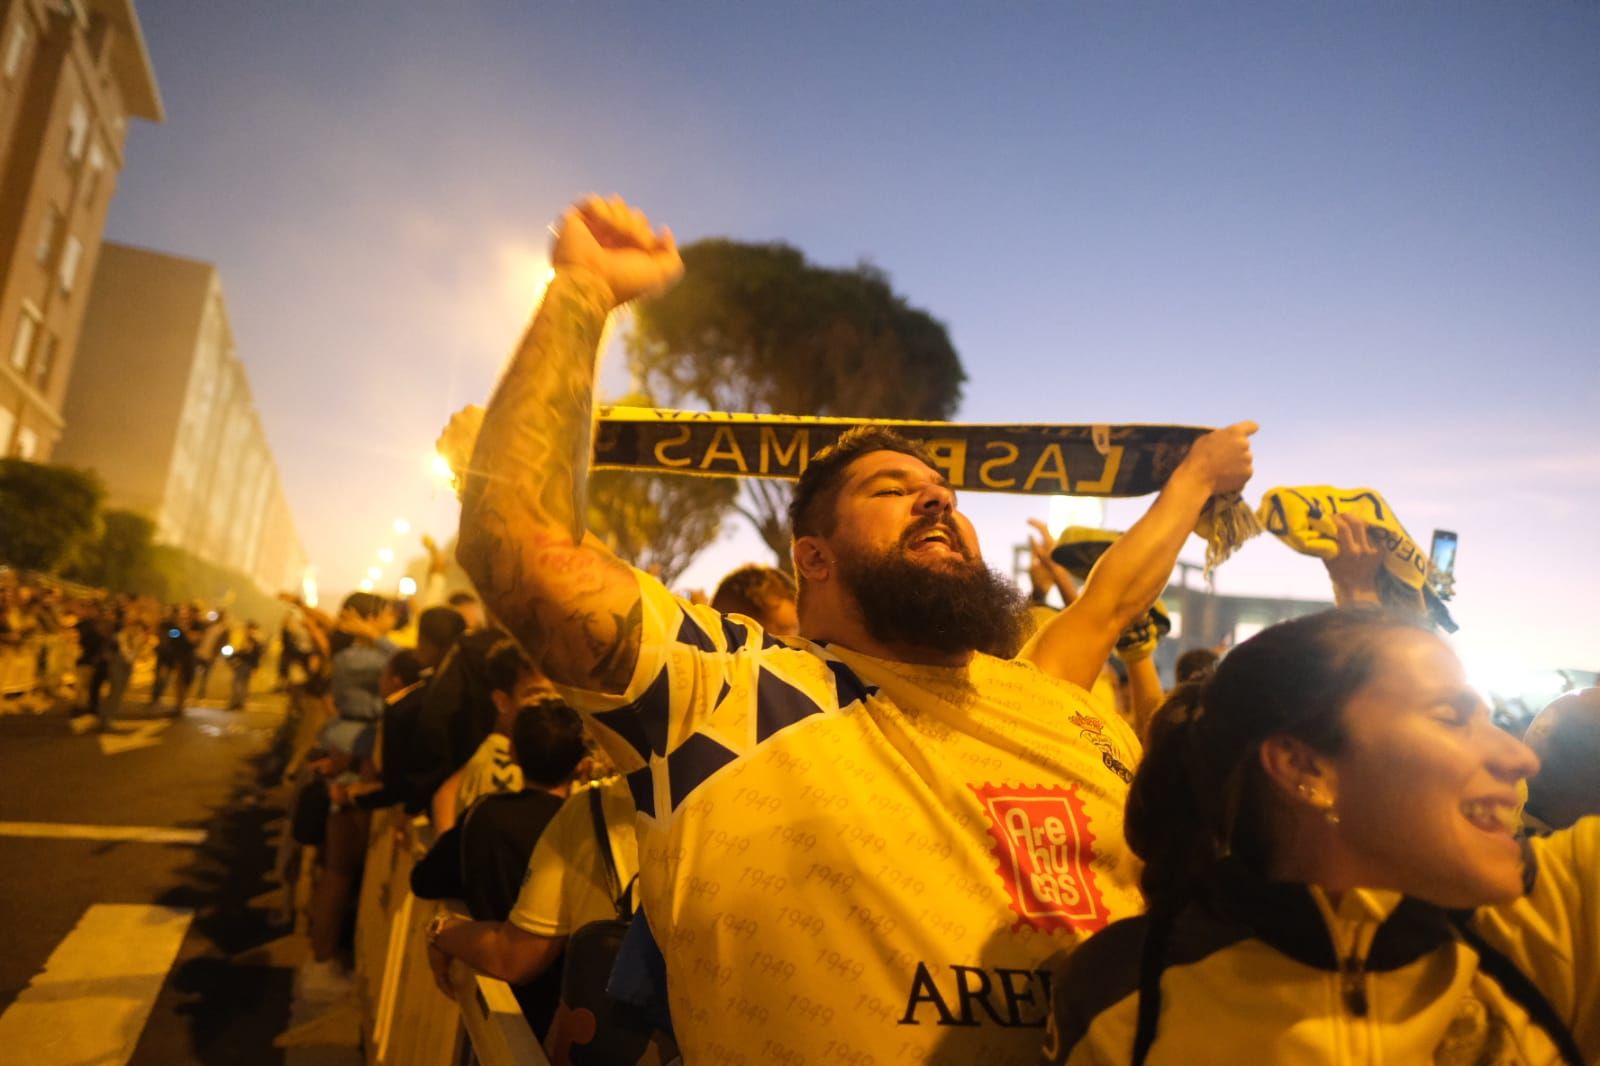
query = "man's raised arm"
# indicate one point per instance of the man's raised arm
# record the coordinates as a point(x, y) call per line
point(1075, 644)
point(575, 607)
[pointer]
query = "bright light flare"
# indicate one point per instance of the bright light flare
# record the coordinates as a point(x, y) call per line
point(374, 573)
point(401, 527)
point(408, 586)
point(439, 466)
point(366, 585)
point(1067, 511)
point(525, 274)
point(385, 555)
point(308, 587)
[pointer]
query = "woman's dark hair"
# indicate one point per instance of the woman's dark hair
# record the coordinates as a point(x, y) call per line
point(405, 666)
point(506, 665)
point(1200, 793)
point(1195, 664)
point(365, 604)
point(440, 627)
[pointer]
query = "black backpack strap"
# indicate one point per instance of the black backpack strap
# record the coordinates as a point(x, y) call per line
point(1520, 988)
point(621, 900)
point(1152, 961)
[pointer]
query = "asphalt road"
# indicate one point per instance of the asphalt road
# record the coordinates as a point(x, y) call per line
point(208, 771)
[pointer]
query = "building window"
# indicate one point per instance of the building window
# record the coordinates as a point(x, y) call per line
point(45, 362)
point(27, 443)
point(22, 345)
point(47, 234)
point(15, 47)
point(91, 183)
point(77, 132)
point(8, 422)
point(71, 252)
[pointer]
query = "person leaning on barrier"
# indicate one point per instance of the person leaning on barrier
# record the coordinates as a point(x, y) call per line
point(483, 859)
point(565, 887)
point(457, 714)
point(1327, 824)
point(403, 692)
point(865, 840)
point(493, 767)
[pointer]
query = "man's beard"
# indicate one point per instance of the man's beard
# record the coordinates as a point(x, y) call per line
point(955, 608)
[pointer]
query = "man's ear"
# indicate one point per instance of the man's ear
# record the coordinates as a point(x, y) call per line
point(812, 559)
point(1299, 772)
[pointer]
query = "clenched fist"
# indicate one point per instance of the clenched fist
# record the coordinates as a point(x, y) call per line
point(1222, 458)
point(614, 242)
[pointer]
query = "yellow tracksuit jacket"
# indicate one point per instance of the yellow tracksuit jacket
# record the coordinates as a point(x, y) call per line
point(1272, 973)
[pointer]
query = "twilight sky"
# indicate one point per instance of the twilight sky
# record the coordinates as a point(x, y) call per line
point(1373, 228)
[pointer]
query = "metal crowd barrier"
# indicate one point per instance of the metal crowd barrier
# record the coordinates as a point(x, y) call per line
point(18, 669)
point(398, 1015)
point(41, 663)
point(405, 1019)
point(498, 1032)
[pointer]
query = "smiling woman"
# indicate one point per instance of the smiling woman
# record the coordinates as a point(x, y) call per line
point(1318, 822)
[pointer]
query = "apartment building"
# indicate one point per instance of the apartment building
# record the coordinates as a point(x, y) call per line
point(159, 405)
point(72, 73)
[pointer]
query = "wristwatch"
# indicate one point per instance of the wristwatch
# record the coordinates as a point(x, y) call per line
point(438, 925)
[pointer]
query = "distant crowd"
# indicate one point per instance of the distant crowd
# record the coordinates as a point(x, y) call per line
point(64, 644)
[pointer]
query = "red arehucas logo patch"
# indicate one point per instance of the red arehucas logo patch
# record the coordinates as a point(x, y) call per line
point(1044, 849)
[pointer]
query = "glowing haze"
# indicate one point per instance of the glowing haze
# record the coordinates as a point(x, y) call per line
point(1375, 229)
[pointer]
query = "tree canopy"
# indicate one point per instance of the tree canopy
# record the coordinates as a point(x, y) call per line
point(123, 558)
point(47, 513)
point(757, 328)
point(658, 523)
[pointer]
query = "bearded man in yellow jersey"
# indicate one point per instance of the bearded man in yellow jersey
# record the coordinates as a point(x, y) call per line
point(861, 844)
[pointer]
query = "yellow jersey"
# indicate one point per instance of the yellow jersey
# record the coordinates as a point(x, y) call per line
point(851, 860)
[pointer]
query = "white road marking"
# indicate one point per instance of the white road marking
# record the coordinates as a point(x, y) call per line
point(138, 834)
point(92, 1000)
point(146, 735)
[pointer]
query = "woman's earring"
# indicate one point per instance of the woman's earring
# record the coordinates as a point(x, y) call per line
point(1328, 813)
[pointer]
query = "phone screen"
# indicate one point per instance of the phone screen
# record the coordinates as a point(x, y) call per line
point(1443, 553)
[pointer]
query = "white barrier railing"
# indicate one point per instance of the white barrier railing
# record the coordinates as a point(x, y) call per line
point(405, 1018)
point(494, 1022)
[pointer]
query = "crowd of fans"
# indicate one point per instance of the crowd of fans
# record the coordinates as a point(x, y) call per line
point(82, 647)
point(893, 809)
point(888, 810)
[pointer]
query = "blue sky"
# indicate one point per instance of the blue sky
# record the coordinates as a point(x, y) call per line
point(1373, 228)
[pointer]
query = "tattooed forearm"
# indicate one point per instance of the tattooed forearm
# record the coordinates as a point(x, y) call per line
point(540, 413)
point(522, 518)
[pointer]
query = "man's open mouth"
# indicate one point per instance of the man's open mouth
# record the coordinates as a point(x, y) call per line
point(936, 539)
